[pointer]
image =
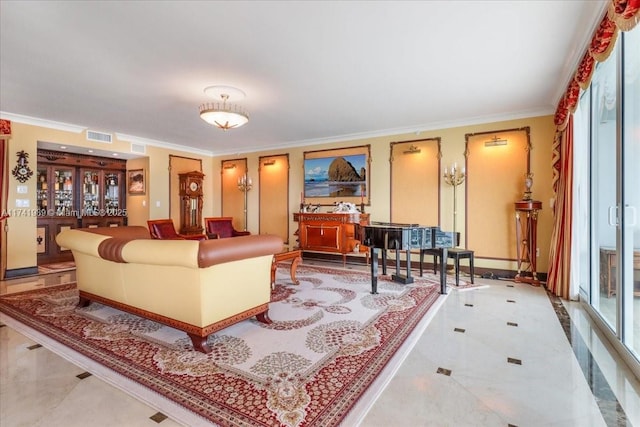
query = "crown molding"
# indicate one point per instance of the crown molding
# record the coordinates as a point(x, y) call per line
point(399, 131)
point(34, 121)
point(67, 127)
point(162, 144)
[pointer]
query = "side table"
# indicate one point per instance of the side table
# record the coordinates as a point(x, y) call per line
point(294, 256)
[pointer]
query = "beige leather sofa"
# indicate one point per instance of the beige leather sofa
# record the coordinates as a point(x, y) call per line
point(199, 287)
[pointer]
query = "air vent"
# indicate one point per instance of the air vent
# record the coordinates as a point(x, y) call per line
point(99, 136)
point(138, 148)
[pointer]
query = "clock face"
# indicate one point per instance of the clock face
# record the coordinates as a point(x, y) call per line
point(193, 186)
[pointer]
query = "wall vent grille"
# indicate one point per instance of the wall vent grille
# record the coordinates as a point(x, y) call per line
point(138, 148)
point(99, 137)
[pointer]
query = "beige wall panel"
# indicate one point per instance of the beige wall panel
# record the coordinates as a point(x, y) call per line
point(495, 180)
point(274, 196)
point(232, 198)
point(415, 182)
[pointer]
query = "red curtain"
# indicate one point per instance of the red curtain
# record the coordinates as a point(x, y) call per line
point(558, 278)
point(5, 132)
point(625, 13)
point(603, 40)
point(585, 71)
point(621, 15)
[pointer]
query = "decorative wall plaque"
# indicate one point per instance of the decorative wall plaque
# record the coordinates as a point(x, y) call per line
point(22, 172)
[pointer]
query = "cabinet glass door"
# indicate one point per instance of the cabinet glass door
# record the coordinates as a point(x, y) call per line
point(112, 192)
point(90, 192)
point(42, 192)
point(63, 191)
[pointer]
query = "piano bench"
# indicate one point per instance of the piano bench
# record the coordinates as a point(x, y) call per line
point(454, 253)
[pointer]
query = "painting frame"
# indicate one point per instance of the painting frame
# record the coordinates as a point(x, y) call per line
point(136, 181)
point(324, 186)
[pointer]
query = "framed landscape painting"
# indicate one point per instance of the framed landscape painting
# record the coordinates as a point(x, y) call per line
point(135, 181)
point(337, 175)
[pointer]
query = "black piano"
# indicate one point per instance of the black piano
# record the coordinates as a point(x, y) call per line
point(403, 237)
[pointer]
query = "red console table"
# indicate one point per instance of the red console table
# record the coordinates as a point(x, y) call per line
point(526, 238)
point(330, 232)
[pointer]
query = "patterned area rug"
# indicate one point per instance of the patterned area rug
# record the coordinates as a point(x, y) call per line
point(329, 340)
point(56, 267)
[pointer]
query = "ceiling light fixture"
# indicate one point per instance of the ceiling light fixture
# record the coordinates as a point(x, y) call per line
point(223, 114)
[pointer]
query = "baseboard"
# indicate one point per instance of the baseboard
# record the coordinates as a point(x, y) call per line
point(360, 259)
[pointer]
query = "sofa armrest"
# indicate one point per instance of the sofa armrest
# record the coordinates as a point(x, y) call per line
point(241, 233)
point(213, 236)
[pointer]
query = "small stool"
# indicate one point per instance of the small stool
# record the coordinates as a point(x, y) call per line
point(454, 253)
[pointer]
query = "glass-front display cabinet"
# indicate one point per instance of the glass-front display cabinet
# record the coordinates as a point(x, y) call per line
point(102, 193)
point(73, 192)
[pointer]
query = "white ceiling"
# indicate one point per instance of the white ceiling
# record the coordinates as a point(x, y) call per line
point(312, 72)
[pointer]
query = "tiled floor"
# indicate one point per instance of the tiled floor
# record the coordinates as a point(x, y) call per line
point(495, 356)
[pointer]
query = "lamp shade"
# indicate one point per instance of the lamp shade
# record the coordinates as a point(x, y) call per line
point(223, 115)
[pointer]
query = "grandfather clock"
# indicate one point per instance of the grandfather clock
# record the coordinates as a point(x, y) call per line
point(191, 202)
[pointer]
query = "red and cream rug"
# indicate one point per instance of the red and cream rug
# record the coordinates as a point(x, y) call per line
point(330, 340)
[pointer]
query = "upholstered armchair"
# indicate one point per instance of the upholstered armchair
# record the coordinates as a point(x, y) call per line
point(221, 227)
point(164, 229)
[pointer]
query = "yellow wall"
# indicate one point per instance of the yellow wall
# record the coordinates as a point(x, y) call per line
point(21, 236)
point(22, 230)
point(453, 148)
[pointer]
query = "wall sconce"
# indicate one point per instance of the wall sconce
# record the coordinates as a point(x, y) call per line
point(270, 162)
point(411, 150)
point(495, 141)
point(230, 166)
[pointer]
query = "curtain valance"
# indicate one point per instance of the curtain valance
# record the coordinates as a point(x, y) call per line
point(602, 43)
point(622, 15)
point(5, 127)
point(625, 13)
